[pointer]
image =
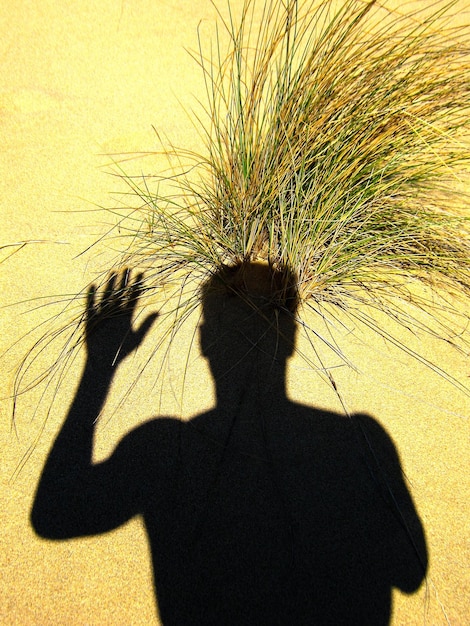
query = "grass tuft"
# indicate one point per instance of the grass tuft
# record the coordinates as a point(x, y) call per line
point(335, 145)
point(335, 139)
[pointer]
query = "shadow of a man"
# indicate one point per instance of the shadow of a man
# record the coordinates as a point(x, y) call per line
point(261, 511)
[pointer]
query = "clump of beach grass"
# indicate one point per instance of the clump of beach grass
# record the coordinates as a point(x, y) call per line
point(335, 145)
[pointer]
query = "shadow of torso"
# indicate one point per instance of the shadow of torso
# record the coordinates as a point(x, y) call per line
point(290, 520)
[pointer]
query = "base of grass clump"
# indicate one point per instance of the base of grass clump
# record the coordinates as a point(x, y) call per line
point(259, 284)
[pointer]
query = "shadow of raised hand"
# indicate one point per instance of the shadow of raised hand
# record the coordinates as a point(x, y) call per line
point(109, 335)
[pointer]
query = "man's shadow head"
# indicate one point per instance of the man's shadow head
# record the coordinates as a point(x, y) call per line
point(249, 321)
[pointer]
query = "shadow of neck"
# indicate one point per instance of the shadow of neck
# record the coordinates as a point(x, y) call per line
point(250, 394)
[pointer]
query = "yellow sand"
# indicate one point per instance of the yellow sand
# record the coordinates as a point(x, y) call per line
point(79, 80)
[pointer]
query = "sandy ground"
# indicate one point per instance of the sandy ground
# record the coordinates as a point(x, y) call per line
point(78, 81)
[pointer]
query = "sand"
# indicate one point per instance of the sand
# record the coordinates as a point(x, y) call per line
point(83, 80)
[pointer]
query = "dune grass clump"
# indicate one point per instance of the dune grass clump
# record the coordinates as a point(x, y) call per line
point(335, 146)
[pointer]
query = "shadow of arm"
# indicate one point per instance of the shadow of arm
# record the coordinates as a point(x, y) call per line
point(87, 499)
point(408, 558)
point(76, 497)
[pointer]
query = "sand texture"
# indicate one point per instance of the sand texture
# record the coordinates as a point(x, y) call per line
point(80, 81)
